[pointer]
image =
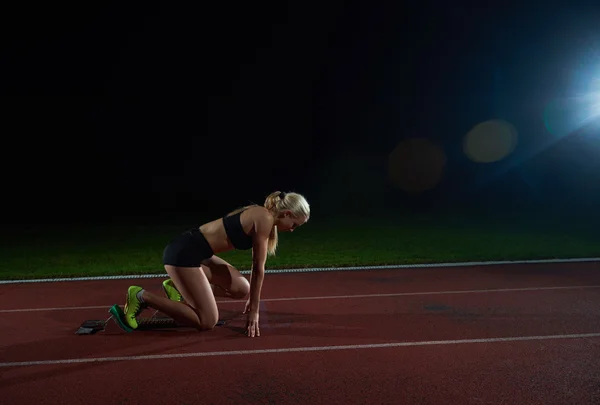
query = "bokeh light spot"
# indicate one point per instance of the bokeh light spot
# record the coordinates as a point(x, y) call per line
point(416, 165)
point(490, 141)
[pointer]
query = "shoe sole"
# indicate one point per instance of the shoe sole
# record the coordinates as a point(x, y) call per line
point(119, 316)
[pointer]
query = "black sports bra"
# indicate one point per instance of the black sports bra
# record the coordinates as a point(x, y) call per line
point(235, 232)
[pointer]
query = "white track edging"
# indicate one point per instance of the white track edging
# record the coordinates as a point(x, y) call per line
point(322, 269)
point(170, 356)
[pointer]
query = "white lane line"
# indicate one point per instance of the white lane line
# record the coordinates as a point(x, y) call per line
point(431, 293)
point(294, 350)
point(336, 297)
point(53, 309)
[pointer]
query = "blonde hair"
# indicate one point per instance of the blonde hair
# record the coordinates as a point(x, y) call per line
point(279, 201)
point(276, 202)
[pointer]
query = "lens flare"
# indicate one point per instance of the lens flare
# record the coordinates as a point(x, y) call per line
point(490, 141)
point(416, 165)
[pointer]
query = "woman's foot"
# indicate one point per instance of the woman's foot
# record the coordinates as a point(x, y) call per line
point(171, 292)
point(133, 306)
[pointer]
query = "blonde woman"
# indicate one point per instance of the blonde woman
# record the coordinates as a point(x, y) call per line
point(197, 275)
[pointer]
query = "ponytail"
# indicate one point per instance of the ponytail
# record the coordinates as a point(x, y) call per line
point(273, 203)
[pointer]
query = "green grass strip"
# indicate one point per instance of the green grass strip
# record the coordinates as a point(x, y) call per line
point(84, 251)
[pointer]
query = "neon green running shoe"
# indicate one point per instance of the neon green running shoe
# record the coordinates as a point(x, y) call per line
point(133, 307)
point(171, 292)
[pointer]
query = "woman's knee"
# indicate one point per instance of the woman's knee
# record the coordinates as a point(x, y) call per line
point(226, 276)
point(241, 288)
point(206, 321)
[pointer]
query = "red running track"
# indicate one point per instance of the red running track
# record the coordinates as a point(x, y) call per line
point(472, 335)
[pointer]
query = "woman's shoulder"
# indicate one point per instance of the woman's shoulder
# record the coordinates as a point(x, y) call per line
point(259, 212)
point(260, 217)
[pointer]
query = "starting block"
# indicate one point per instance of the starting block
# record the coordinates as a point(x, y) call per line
point(91, 327)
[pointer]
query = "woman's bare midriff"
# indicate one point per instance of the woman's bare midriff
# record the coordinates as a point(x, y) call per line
point(215, 234)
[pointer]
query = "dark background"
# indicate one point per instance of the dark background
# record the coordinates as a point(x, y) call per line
point(157, 109)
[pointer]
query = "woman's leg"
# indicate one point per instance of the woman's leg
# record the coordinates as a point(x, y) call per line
point(225, 279)
point(199, 309)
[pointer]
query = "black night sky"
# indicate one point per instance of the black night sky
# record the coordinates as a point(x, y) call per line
point(158, 108)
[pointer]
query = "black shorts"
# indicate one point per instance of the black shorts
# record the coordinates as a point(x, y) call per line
point(187, 250)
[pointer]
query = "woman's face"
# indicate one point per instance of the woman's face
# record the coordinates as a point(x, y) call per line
point(287, 222)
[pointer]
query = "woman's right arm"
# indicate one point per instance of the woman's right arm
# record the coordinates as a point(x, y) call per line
point(263, 227)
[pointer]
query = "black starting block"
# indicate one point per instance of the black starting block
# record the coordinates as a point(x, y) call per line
point(91, 327)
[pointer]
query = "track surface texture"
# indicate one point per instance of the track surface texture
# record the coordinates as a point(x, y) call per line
point(518, 334)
